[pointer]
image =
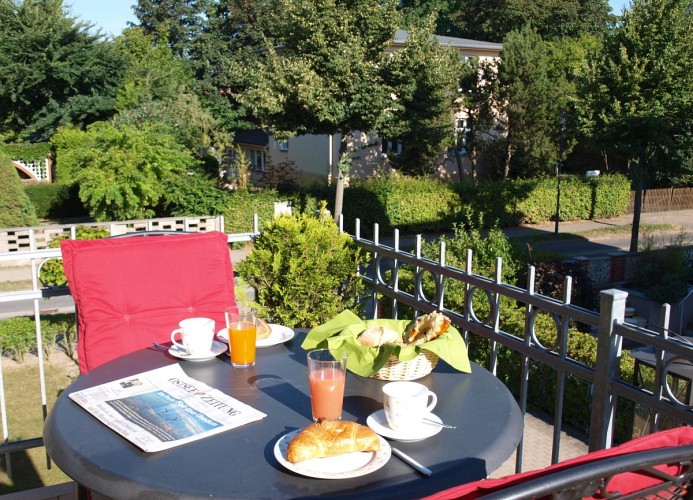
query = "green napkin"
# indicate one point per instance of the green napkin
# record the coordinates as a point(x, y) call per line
point(342, 332)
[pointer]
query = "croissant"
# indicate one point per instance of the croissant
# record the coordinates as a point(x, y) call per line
point(330, 438)
point(427, 327)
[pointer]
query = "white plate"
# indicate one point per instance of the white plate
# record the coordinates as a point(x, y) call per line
point(358, 463)
point(217, 349)
point(278, 335)
point(378, 422)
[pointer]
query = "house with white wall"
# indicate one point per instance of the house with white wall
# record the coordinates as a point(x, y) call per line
point(315, 156)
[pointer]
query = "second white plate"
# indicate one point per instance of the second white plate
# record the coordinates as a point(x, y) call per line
point(278, 335)
point(217, 349)
point(378, 422)
point(358, 463)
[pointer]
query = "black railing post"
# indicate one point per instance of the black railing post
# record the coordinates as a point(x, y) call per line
point(611, 311)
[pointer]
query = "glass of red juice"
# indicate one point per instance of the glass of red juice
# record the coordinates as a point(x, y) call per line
point(327, 376)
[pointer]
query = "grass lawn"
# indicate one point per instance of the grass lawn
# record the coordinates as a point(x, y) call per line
point(25, 418)
point(14, 286)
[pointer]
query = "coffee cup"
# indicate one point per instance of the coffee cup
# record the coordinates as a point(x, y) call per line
point(406, 403)
point(197, 335)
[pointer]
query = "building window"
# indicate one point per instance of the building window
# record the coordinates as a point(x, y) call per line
point(281, 145)
point(257, 160)
point(462, 137)
point(391, 146)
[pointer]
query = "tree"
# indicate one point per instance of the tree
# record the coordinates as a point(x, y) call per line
point(16, 209)
point(423, 75)
point(151, 72)
point(529, 96)
point(158, 88)
point(52, 70)
point(476, 82)
point(326, 77)
point(121, 171)
point(173, 23)
point(493, 21)
point(636, 93)
point(234, 32)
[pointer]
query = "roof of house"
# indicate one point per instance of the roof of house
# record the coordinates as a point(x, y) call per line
point(401, 37)
point(251, 138)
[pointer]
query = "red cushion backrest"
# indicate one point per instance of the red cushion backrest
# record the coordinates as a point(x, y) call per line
point(133, 291)
point(625, 483)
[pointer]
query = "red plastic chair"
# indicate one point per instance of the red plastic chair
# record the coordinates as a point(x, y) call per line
point(130, 292)
point(659, 465)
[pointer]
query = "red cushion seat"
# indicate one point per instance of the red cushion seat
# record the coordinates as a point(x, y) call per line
point(625, 483)
point(130, 292)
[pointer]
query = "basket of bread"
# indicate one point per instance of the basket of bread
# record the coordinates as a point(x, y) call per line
point(389, 349)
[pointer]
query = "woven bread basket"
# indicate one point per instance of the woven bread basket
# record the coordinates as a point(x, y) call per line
point(420, 366)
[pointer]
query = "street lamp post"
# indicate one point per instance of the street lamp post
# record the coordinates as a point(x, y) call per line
point(559, 167)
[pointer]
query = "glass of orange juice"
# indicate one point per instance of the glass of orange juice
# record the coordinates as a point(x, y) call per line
point(241, 324)
point(327, 376)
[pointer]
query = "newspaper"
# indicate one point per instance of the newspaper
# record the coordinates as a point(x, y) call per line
point(163, 408)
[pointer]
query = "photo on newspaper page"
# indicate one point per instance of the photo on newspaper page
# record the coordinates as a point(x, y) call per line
point(163, 408)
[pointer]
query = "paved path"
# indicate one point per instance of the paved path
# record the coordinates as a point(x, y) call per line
point(593, 239)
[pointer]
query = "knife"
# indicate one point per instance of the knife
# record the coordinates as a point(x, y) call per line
point(412, 463)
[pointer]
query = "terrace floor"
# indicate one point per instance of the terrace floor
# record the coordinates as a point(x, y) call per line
point(537, 455)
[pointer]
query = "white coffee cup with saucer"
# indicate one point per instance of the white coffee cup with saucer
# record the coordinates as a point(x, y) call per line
point(406, 403)
point(424, 430)
point(196, 335)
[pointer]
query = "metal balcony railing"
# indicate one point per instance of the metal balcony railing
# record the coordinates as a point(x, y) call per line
point(387, 288)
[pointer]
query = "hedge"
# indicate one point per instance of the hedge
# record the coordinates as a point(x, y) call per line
point(423, 204)
point(27, 151)
point(16, 209)
point(18, 335)
point(53, 201)
point(410, 204)
point(243, 204)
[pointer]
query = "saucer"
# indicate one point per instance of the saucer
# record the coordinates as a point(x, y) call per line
point(278, 334)
point(217, 349)
point(378, 422)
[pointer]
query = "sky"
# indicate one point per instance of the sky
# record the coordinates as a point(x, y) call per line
point(112, 16)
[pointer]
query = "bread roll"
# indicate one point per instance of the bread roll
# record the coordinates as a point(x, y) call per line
point(331, 438)
point(427, 327)
point(375, 336)
point(263, 330)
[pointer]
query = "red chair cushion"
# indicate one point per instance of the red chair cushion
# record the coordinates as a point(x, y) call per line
point(625, 483)
point(130, 292)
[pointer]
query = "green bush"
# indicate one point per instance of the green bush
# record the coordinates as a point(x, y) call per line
point(582, 347)
point(543, 380)
point(28, 151)
point(193, 193)
point(486, 248)
point(242, 204)
point(581, 198)
point(18, 335)
point(303, 269)
point(406, 203)
point(52, 273)
point(663, 273)
point(423, 204)
point(54, 201)
point(16, 209)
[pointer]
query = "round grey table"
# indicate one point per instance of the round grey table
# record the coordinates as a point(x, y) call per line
point(240, 463)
